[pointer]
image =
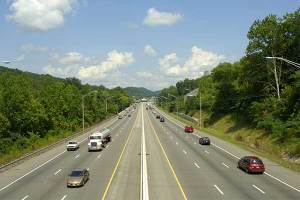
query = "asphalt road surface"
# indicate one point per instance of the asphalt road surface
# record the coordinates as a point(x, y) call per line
point(147, 159)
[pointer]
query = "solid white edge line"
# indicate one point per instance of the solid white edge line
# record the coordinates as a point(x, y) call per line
point(196, 165)
point(57, 172)
point(36, 168)
point(221, 192)
point(288, 185)
point(63, 197)
point(145, 195)
point(282, 182)
point(225, 165)
point(25, 197)
point(258, 189)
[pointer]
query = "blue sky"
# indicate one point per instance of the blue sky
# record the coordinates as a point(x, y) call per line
point(128, 43)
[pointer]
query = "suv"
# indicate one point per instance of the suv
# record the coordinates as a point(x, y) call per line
point(72, 145)
point(162, 119)
point(157, 116)
point(188, 129)
point(251, 164)
point(204, 141)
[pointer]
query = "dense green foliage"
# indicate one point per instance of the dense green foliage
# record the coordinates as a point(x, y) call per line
point(36, 108)
point(139, 92)
point(247, 89)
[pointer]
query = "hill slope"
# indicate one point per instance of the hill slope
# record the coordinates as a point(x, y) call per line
point(139, 92)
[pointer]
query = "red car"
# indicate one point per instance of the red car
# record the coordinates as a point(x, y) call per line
point(188, 129)
point(251, 164)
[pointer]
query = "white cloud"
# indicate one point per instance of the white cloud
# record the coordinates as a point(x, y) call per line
point(30, 48)
point(149, 50)
point(144, 74)
point(20, 58)
point(195, 65)
point(72, 58)
point(40, 15)
point(114, 60)
point(155, 17)
point(61, 71)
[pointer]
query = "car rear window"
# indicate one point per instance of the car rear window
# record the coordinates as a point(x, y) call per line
point(76, 173)
point(256, 161)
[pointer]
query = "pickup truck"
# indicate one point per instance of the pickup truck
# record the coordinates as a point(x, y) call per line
point(72, 146)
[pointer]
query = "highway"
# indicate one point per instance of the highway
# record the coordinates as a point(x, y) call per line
point(147, 159)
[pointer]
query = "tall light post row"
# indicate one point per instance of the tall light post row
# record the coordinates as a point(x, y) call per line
point(82, 105)
point(200, 106)
point(107, 98)
point(275, 70)
point(175, 103)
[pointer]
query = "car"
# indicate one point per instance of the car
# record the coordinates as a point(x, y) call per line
point(251, 164)
point(204, 141)
point(72, 145)
point(129, 115)
point(78, 178)
point(188, 129)
point(162, 119)
point(157, 116)
point(120, 117)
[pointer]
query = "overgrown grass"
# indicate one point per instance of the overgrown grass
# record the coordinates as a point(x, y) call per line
point(251, 139)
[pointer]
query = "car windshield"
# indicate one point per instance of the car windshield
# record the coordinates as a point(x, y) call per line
point(95, 137)
point(76, 173)
point(72, 142)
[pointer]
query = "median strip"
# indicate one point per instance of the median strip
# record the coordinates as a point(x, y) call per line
point(144, 173)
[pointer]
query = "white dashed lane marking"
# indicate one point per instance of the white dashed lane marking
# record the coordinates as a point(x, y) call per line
point(57, 172)
point(196, 165)
point(225, 165)
point(258, 189)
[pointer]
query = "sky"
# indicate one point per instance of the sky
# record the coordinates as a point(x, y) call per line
point(141, 43)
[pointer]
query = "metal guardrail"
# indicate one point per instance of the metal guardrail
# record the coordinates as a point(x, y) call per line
point(187, 117)
point(43, 149)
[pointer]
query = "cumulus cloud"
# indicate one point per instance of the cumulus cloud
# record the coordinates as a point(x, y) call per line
point(155, 17)
point(20, 58)
point(73, 58)
point(144, 74)
point(199, 61)
point(30, 48)
point(113, 61)
point(67, 71)
point(40, 15)
point(149, 50)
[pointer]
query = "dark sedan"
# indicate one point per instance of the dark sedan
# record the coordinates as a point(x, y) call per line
point(204, 141)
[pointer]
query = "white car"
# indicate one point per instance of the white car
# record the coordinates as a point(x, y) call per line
point(72, 145)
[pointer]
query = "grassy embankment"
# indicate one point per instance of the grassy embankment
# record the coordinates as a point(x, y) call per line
point(250, 139)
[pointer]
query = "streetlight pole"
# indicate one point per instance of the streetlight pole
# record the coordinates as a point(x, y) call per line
point(106, 103)
point(175, 103)
point(82, 105)
point(275, 70)
point(200, 108)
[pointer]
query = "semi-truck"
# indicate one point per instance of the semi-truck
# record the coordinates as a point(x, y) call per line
point(99, 139)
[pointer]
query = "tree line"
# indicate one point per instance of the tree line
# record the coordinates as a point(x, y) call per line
point(39, 109)
point(260, 91)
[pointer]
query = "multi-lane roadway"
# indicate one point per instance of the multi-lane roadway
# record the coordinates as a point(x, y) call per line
point(147, 159)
